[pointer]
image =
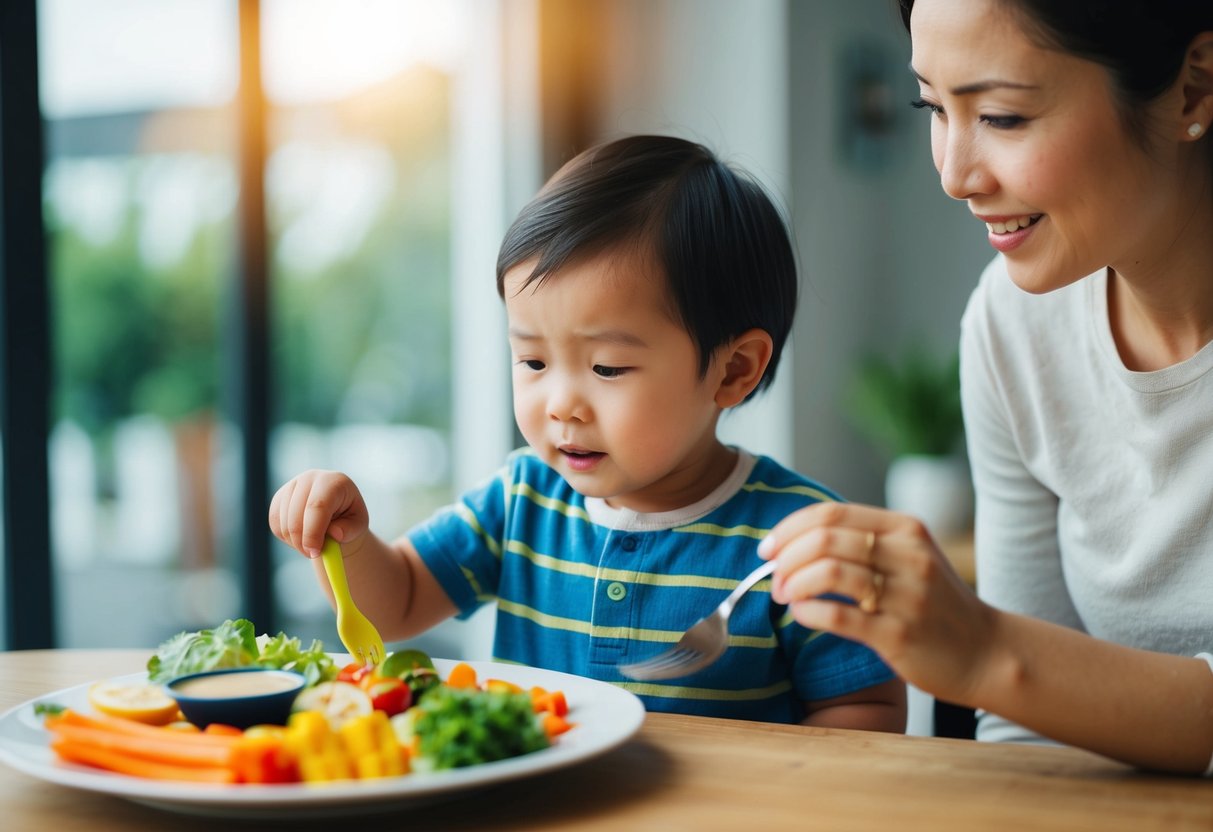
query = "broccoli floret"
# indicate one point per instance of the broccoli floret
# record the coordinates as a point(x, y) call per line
point(459, 727)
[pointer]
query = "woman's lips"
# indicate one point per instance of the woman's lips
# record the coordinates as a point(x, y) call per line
point(1004, 240)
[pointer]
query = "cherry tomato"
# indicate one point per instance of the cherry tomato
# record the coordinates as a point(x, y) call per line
point(392, 696)
point(355, 673)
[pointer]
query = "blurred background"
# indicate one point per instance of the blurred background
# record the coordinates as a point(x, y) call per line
point(268, 241)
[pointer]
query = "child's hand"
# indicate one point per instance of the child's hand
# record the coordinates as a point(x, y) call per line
point(314, 504)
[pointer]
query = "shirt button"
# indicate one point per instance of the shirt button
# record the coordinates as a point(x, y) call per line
point(616, 591)
point(628, 544)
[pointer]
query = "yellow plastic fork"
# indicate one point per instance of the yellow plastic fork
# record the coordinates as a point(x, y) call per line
point(357, 632)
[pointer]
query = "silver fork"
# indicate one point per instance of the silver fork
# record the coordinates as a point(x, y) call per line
point(701, 645)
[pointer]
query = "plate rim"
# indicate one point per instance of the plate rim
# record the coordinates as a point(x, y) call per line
point(626, 711)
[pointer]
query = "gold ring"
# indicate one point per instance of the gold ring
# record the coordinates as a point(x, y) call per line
point(871, 601)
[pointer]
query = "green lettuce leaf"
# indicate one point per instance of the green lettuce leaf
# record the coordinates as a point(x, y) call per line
point(231, 644)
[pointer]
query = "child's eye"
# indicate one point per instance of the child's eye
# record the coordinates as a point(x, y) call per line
point(609, 372)
point(532, 364)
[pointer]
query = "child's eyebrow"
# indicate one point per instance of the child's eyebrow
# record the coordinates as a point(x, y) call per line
point(616, 336)
point(611, 336)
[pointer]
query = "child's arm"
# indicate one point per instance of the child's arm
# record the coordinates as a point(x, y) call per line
point(389, 582)
point(878, 708)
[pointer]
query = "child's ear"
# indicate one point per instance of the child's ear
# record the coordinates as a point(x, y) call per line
point(744, 359)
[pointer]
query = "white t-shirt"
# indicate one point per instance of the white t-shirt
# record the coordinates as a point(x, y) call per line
point(1094, 483)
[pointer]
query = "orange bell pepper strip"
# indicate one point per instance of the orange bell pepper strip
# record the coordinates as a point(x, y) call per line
point(552, 701)
point(462, 675)
point(554, 725)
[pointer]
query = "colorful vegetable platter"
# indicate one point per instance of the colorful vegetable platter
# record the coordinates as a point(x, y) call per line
point(604, 716)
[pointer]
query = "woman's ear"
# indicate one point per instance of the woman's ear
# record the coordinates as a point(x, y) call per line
point(744, 359)
point(1197, 83)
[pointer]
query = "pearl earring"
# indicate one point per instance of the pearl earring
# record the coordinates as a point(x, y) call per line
point(1194, 129)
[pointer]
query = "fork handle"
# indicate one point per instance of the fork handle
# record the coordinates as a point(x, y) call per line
point(334, 567)
point(747, 584)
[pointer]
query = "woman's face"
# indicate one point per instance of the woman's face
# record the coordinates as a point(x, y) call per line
point(1032, 140)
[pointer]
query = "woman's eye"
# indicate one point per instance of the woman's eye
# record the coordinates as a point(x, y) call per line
point(609, 372)
point(920, 104)
point(1003, 122)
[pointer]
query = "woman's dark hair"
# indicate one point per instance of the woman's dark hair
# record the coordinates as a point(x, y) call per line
point(1142, 43)
point(719, 241)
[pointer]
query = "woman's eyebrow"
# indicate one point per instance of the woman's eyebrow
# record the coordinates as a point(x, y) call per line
point(979, 86)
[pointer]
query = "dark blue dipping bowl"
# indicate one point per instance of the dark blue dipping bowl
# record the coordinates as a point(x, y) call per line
point(238, 696)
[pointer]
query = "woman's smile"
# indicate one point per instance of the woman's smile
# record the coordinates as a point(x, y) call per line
point(1009, 232)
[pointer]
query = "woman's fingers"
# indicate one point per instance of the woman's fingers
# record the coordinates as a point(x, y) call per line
point(879, 632)
point(832, 576)
point(827, 516)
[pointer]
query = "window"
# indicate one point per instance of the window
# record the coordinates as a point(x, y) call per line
point(386, 191)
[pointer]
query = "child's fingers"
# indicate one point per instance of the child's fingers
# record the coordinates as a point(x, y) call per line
point(308, 514)
point(278, 513)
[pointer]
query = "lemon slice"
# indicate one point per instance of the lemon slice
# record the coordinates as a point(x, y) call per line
point(141, 702)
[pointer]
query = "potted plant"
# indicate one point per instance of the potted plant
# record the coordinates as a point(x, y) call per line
point(909, 405)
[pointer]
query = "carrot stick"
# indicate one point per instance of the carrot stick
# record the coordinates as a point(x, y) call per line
point(129, 727)
point(163, 749)
point(112, 761)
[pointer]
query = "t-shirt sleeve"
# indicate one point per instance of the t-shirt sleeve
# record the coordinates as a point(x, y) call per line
point(825, 665)
point(461, 544)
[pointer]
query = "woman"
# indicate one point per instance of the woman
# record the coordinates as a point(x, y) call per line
point(1077, 133)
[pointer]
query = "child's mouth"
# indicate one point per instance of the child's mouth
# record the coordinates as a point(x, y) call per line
point(580, 460)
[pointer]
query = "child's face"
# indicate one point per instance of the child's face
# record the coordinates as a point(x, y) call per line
point(607, 387)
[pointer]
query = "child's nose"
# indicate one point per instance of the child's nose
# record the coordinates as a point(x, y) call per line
point(565, 404)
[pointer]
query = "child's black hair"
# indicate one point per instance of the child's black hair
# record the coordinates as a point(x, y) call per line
point(719, 239)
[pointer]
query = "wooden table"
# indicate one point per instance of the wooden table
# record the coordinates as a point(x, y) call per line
point(694, 773)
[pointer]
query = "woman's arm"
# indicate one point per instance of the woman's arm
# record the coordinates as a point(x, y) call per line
point(1147, 709)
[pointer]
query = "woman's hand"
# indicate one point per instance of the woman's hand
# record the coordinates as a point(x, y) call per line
point(315, 504)
point(912, 608)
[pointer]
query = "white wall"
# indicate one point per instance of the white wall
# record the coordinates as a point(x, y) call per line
point(713, 71)
point(888, 258)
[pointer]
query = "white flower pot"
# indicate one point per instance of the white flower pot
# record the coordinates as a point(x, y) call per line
point(935, 489)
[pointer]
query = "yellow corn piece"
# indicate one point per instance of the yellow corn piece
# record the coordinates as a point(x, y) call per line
point(371, 743)
point(320, 752)
point(502, 686)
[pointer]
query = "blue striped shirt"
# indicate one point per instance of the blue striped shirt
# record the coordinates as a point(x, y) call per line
point(581, 587)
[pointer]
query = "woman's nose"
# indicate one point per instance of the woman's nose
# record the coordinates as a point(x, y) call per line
point(962, 170)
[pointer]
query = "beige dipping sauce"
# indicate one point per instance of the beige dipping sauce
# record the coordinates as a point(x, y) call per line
point(226, 685)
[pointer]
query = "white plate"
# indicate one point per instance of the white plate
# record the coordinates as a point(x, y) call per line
point(605, 717)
